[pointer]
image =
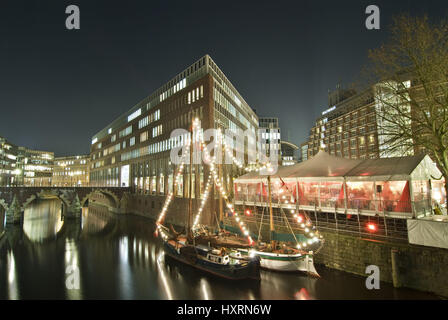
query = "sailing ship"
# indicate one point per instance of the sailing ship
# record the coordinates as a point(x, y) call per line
point(281, 256)
point(277, 255)
point(219, 261)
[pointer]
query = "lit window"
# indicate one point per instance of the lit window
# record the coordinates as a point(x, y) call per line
point(125, 132)
point(134, 115)
point(144, 136)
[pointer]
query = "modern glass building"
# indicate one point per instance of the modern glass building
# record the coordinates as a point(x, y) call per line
point(71, 171)
point(37, 167)
point(352, 127)
point(134, 150)
point(270, 136)
point(9, 170)
point(20, 166)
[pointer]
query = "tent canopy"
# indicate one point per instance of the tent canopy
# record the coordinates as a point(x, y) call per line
point(324, 165)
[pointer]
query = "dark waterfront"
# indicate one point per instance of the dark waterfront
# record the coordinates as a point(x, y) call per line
point(119, 258)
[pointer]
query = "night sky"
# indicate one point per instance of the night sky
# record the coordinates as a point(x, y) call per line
point(59, 87)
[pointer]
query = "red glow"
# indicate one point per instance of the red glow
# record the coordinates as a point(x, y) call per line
point(248, 212)
point(300, 219)
point(302, 294)
point(371, 227)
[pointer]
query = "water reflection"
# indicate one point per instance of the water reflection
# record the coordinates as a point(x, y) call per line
point(162, 276)
point(12, 277)
point(72, 270)
point(42, 220)
point(2, 219)
point(117, 257)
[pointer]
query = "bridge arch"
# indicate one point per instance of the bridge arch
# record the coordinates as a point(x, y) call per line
point(46, 195)
point(112, 197)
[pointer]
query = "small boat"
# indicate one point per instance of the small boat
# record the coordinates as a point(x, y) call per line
point(289, 260)
point(224, 263)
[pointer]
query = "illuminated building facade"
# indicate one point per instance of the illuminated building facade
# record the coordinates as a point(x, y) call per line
point(134, 150)
point(347, 129)
point(71, 171)
point(270, 135)
point(20, 166)
point(288, 153)
point(10, 174)
point(352, 128)
point(37, 168)
point(303, 154)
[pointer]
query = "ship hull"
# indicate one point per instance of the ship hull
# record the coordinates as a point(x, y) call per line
point(250, 270)
point(285, 262)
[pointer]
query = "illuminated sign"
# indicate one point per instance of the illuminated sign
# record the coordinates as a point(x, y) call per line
point(329, 110)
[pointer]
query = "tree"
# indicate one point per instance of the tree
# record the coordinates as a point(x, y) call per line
point(411, 89)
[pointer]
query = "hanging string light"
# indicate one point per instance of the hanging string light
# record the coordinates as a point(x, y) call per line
point(170, 196)
point(314, 236)
point(203, 202)
point(219, 183)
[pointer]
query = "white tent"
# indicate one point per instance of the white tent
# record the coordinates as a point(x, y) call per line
point(401, 186)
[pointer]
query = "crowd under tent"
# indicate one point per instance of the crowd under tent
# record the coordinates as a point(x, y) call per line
point(406, 187)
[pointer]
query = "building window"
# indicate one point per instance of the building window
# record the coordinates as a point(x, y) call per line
point(125, 132)
point(144, 136)
point(156, 131)
point(134, 115)
point(143, 122)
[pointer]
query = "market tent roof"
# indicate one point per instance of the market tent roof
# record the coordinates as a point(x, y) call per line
point(321, 165)
point(324, 165)
point(386, 167)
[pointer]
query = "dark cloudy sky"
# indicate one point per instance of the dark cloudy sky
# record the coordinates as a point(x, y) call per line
point(59, 87)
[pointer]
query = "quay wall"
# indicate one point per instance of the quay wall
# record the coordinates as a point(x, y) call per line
point(404, 265)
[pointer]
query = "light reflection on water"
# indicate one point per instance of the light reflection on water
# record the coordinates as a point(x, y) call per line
point(42, 221)
point(118, 258)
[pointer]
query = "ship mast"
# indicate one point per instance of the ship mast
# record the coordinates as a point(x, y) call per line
point(190, 204)
point(271, 216)
point(221, 214)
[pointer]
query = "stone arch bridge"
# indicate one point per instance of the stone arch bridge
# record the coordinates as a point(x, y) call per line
point(14, 200)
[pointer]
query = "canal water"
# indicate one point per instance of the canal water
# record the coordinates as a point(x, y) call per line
point(104, 256)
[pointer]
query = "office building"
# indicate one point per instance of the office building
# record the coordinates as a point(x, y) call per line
point(303, 154)
point(37, 167)
point(9, 170)
point(134, 150)
point(270, 135)
point(289, 152)
point(71, 171)
point(20, 166)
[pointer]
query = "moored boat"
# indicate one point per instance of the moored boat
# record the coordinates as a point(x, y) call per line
point(228, 264)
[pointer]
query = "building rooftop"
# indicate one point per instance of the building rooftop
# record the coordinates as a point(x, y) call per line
point(201, 67)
